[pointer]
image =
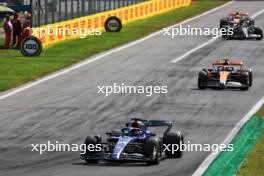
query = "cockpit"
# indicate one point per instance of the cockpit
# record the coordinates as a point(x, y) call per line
point(132, 131)
point(225, 68)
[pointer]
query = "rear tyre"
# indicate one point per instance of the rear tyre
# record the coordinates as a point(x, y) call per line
point(222, 23)
point(259, 32)
point(173, 138)
point(244, 88)
point(250, 76)
point(90, 140)
point(152, 150)
point(245, 80)
point(202, 80)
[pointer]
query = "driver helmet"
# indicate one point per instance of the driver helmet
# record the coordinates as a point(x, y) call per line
point(226, 62)
point(136, 124)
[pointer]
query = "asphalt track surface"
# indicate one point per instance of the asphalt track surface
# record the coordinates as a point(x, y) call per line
point(68, 108)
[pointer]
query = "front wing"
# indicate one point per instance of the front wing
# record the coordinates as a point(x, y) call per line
point(229, 84)
point(136, 157)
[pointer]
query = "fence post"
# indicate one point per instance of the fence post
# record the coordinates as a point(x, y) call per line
point(71, 9)
point(31, 11)
point(78, 8)
point(46, 12)
point(66, 9)
point(83, 7)
point(54, 7)
point(39, 10)
point(90, 6)
point(59, 10)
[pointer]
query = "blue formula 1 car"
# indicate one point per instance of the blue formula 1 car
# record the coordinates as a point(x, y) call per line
point(136, 143)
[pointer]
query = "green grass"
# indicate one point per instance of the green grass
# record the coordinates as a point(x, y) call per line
point(260, 113)
point(253, 165)
point(228, 163)
point(16, 70)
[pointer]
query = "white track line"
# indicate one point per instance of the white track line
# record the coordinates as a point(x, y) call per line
point(193, 50)
point(90, 60)
point(206, 43)
point(209, 159)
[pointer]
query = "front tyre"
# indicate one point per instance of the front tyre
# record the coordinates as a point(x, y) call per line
point(152, 150)
point(173, 139)
point(202, 80)
point(258, 32)
point(90, 140)
point(245, 80)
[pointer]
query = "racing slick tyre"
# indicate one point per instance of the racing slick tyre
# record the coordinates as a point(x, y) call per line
point(223, 22)
point(171, 139)
point(259, 32)
point(152, 150)
point(250, 77)
point(252, 22)
point(90, 140)
point(245, 80)
point(202, 80)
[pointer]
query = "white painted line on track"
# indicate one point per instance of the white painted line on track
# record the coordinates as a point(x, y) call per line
point(206, 43)
point(210, 158)
point(258, 13)
point(90, 60)
point(193, 50)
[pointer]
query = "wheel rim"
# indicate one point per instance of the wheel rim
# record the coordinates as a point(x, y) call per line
point(154, 154)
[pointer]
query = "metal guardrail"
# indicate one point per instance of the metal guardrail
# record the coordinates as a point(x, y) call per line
point(51, 11)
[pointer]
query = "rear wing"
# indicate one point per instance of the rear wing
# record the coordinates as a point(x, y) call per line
point(228, 62)
point(240, 13)
point(156, 123)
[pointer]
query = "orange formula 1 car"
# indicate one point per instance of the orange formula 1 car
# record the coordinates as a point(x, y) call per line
point(225, 74)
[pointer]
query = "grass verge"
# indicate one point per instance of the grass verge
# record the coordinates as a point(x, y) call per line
point(16, 70)
point(254, 163)
point(247, 157)
point(260, 113)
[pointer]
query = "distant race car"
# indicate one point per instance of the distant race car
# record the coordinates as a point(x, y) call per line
point(242, 25)
point(135, 143)
point(230, 18)
point(226, 74)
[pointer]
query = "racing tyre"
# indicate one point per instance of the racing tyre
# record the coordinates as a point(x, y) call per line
point(90, 140)
point(245, 80)
point(222, 23)
point(250, 77)
point(252, 22)
point(224, 34)
point(202, 80)
point(152, 150)
point(259, 32)
point(173, 139)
